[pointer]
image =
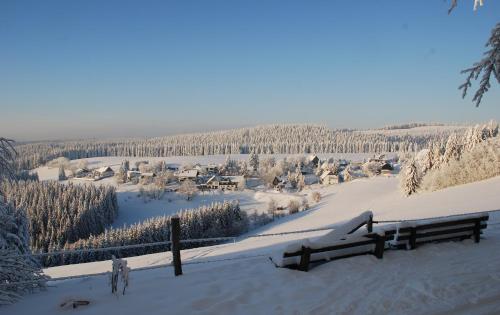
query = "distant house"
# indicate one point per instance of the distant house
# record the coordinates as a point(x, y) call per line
point(148, 175)
point(82, 172)
point(133, 174)
point(314, 160)
point(329, 178)
point(386, 169)
point(103, 172)
point(188, 174)
point(278, 184)
point(222, 183)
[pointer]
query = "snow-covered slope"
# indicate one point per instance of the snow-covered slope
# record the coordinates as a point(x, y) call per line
point(455, 278)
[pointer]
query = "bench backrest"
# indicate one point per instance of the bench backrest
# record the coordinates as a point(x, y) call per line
point(409, 234)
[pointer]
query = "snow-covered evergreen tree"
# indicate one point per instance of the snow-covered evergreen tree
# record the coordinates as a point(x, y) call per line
point(253, 161)
point(62, 173)
point(410, 179)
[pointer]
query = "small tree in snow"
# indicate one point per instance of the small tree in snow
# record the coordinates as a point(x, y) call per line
point(253, 161)
point(189, 189)
point(293, 206)
point(301, 184)
point(62, 173)
point(316, 196)
point(410, 179)
point(271, 208)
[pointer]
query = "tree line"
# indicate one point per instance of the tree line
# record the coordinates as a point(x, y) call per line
point(272, 139)
point(58, 214)
point(215, 220)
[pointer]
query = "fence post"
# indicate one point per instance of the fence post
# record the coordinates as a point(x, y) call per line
point(175, 233)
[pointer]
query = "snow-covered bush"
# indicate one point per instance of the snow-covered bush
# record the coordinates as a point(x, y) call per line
point(481, 163)
point(305, 204)
point(372, 168)
point(271, 207)
point(293, 206)
point(188, 188)
point(316, 196)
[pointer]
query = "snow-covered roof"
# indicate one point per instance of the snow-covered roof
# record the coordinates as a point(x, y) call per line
point(104, 169)
point(188, 173)
point(327, 173)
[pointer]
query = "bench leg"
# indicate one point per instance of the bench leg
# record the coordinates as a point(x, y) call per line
point(477, 231)
point(413, 238)
point(379, 247)
point(304, 259)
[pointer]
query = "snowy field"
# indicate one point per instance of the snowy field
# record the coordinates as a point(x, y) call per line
point(446, 278)
point(133, 209)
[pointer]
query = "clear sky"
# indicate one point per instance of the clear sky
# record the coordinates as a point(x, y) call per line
point(76, 69)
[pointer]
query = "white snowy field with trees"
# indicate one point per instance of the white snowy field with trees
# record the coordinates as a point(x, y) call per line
point(455, 278)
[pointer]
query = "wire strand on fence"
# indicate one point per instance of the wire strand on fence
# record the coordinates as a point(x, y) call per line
point(102, 249)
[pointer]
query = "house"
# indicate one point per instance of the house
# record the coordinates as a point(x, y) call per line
point(148, 175)
point(386, 169)
point(103, 172)
point(82, 172)
point(329, 178)
point(222, 183)
point(188, 174)
point(314, 160)
point(133, 174)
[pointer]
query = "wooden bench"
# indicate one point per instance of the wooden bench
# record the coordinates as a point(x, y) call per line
point(410, 234)
point(353, 243)
point(371, 243)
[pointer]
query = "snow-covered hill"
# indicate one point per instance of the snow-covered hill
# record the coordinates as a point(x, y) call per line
point(455, 278)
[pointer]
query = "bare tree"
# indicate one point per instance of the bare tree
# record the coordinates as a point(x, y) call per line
point(188, 188)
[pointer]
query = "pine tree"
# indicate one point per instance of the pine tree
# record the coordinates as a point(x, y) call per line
point(62, 173)
point(410, 178)
point(253, 161)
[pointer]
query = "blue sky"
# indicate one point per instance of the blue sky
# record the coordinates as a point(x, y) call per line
point(75, 69)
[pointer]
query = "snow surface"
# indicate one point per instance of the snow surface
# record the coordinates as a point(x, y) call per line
point(446, 278)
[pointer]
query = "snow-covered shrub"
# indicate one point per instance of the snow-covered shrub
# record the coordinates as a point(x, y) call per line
point(481, 163)
point(293, 206)
point(20, 273)
point(188, 188)
point(305, 204)
point(372, 168)
point(410, 178)
point(316, 196)
point(271, 207)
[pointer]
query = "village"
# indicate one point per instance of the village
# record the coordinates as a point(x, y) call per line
point(290, 174)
